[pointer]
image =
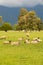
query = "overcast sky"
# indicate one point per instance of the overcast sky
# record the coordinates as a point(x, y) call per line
point(20, 3)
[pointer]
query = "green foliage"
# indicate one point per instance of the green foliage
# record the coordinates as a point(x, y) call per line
point(23, 12)
point(6, 26)
point(15, 27)
point(29, 20)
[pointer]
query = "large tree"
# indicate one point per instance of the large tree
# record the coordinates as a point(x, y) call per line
point(29, 20)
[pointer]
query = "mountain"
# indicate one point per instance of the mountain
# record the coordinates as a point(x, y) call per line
point(10, 14)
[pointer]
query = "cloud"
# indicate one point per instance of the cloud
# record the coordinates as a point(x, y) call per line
point(41, 2)
point(20, 3)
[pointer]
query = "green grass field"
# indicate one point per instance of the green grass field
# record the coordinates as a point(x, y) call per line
point(23, 54)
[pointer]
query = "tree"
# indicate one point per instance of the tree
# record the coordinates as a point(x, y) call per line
point(22, 19)
point(6, 26)
point(29, 20)
point(23, 12)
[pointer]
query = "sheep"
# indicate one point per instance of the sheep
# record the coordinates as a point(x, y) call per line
point(27, 41)
point(34, 39)
point(6, 42)
point(3, 37)
point(20, 39)
point(23, 30)
point(15, 43)
point(34, 42)
point(38, 39)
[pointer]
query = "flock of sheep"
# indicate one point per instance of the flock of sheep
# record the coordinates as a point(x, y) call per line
point(27, 40)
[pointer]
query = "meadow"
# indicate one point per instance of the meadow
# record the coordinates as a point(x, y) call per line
point(23, 54)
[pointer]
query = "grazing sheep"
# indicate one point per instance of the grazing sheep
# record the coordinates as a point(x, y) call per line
point(23, 30)
point(15, 43)
point(34, 39)
point(6, 42)
point(27, 41)
point(34, 42)
point(20, 39)
point(3, 37)
point(38, 39)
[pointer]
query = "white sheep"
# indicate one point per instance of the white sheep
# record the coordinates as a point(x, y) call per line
point(6, 42)
point(20, 39)
point(23, 30)
point(3, 37)
point(15, 43)
point(27, 41)
point(34, 42)
point(39, 40)
point(34, 39)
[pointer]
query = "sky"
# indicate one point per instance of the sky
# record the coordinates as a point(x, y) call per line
point(20, 3)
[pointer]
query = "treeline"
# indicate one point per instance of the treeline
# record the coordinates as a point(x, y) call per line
point(27, 20)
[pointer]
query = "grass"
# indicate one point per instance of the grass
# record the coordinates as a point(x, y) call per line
point(31, 54)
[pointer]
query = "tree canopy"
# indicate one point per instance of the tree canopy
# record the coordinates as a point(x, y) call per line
point(6, 26)
point(29, 20)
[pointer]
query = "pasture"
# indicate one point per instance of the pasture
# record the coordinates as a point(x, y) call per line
point(23, 54)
